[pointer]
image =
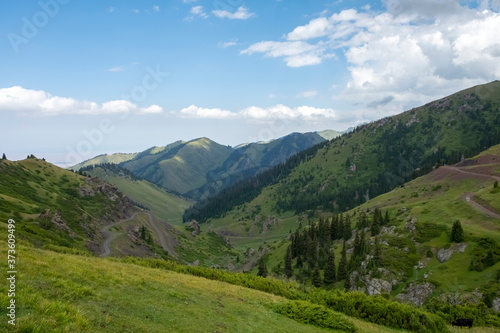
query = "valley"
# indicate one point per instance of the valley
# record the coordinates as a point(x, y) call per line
point(401, 213)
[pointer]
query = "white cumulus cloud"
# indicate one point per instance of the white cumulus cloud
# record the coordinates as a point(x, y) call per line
point(256, 113)
point(413, 51)
point(28, 102)
point(241, 14)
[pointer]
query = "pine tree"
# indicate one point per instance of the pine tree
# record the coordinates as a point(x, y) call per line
point(316, 277)
point(347, 232)
point(322, 256)
point(288, 263)
point(490, 260)
point(4, 157)
point(375, 227)
point(262, 268)
point(363, 221)
point(330, 269)
point(334, 228)
point(312, 252)
point(457, 233)
point(495, 184)
point(347, 284)
point(386, 218)
point(299, 262)
point(377, 253)
point(342, 271)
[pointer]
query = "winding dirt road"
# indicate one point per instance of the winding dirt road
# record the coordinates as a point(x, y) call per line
point(110, 236)
point(469, 197)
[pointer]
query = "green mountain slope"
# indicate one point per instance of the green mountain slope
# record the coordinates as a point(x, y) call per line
point(248, 160)
point(62, 292)
point(419, 261)
point(180, 168)
point(56, 207)
point(372, 159)
point(100, 159)
point(147, 195)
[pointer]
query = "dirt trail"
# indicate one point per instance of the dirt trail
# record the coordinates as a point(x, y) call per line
point(469, 197)
point(471, 173)
point(110, 236)
point(167, 246)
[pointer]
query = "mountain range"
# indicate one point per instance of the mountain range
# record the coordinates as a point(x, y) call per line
point(405, 209)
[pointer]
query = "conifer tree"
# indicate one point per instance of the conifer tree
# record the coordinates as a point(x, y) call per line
point(4, 157)
point(347, 284)
point(386, 218)
point(347, 232)
point(322, 256)
point(363, 221)
point(489, 260)
point(262, 268)
point(342, 271)
point(334, 228)
point(457, 233)
point(377, 253)
point(312, 252)
point(330, 269)
point(316, 277)
point(288, 263)
point(375, 227)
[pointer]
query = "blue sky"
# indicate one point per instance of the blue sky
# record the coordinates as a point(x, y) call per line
point(81, 78)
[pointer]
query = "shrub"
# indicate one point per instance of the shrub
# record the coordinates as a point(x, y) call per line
point(313, 314)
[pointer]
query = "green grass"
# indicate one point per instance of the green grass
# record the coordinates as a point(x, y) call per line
point(166, 206)
point(70, 293)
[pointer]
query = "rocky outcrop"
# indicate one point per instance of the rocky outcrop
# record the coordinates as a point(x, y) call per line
point(496, 304)
point(58, 221)
point(417, 293)
point(377, 286)
point(193, 225)
point(85, 191)
point(443, 255)
point(267, 223)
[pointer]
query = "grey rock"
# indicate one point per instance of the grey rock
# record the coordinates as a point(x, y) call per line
point(376, 286)
point(417, 293)
point(444, 255)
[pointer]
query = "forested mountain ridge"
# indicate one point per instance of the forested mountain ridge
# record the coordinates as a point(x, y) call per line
point(375, 158)
point(201, 168)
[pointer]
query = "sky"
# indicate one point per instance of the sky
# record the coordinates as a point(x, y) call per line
point(82, 78)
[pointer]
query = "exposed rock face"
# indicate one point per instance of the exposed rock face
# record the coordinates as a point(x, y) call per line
point(196, 228)
point(45, 215)
point(377, 286)
point(422, 263)
point(444, 255)
point(413, 120)
point(461, 247)
point(85, 191)
point(417, 293)
point(60, 224)
point(267, 223)
point(496, 304)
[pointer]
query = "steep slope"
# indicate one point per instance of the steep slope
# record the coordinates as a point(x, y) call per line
point(70, 293)
point(56, 207)
point(248, 160)
point(432, 265)
point(105, 158)
point(181, 167)
point(372, 159)
point(145, 194)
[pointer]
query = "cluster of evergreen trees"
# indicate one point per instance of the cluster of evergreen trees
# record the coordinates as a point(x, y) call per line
point(312, 248)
